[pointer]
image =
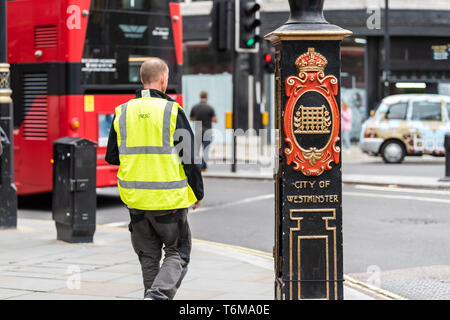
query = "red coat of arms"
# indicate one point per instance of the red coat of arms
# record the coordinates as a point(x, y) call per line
point(311, 117)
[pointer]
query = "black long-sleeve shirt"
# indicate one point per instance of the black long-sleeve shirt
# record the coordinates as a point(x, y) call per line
point(193, 173)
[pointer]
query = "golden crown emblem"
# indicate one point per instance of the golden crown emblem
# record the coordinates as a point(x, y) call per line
point(311, 61)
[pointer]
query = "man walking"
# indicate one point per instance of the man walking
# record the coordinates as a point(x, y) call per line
point(205, 113)
point(156, 182)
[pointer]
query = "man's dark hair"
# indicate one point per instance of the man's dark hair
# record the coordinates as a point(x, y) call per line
point(203, 95)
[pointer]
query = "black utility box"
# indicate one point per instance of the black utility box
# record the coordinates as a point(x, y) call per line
point(74, 189)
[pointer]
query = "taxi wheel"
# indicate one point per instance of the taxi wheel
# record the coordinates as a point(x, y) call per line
point(393, 152)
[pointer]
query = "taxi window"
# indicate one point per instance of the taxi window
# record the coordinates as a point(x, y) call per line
point(426, 111)
point(397, 111)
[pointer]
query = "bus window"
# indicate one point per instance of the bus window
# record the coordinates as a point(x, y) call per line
point(104, 126)
point(123, 34)
point(138, 5)
point(426, 111)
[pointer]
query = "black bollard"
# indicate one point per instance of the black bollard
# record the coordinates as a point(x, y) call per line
point(8, 191)
point(447, 158)
point(308, 185)
point(74, 189)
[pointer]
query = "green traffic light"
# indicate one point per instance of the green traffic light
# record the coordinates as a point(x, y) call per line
point(251, 42)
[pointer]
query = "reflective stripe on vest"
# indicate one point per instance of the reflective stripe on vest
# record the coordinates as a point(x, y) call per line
point(152, 185)
point(165, 149)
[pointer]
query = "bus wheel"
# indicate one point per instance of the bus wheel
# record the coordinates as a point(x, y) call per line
point(393, 152)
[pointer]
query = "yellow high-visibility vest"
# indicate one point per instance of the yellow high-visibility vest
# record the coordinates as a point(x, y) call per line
point(151, 175)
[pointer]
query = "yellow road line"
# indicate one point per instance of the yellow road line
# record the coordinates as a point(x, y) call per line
point(238, 248)
point(374, 290)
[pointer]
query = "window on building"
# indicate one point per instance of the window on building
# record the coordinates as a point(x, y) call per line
point(397, 111)
point(426, 111)
point(352, 53)
point(200, 58)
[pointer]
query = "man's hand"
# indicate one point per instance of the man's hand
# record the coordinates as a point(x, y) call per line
point(197, 204)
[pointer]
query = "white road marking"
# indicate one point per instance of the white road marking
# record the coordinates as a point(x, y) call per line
point(398, 189)
point(116, 224)
point(390, 196)
point(201, 209)
point(345, 193)
point(246, 200)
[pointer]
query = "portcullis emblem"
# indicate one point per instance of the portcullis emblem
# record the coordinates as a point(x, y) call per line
point(311, 118)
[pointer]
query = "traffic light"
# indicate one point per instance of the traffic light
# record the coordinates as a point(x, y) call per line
point(247, 19)
point(221, 17)
point(268, 63)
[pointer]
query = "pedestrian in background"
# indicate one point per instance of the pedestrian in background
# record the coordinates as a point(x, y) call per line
point(205, 113)
point(157, 184)
point(346, 123)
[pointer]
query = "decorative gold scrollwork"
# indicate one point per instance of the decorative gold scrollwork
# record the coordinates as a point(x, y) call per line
point(4, 80)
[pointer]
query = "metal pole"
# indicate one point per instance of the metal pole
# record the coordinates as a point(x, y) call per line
point(3, 31)
point(447, 158)
point(235, 107)
point(308, 251)
point(8, 192)
point(387, 49)
point(235, 87)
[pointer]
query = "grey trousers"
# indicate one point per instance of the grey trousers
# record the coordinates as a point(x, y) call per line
point(150, 230)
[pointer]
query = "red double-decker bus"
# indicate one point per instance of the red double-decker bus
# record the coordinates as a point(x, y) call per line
point(74, 61)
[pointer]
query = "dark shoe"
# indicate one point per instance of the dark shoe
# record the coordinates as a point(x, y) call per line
point(154, 296)
point(148, 295)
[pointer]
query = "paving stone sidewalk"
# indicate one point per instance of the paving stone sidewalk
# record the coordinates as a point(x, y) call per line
point(419, 283)
point(35, 266)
